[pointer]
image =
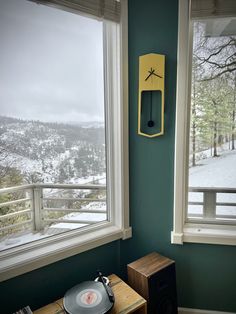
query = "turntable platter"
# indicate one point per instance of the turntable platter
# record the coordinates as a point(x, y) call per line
point(88, 297)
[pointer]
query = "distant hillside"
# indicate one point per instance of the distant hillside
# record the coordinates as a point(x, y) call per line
point(51, 152)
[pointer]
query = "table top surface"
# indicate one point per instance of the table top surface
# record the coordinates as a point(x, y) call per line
point(126, 300)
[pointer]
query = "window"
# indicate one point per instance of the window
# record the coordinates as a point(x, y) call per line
point(63, 134)
point(205, 182)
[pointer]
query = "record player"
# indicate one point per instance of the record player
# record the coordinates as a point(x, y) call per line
point(90, 297)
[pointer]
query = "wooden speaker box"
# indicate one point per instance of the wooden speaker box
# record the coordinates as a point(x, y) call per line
point(153, 277)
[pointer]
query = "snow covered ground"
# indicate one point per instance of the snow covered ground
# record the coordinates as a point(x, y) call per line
point(23, 237)
point(29, 236)
point(210, 172)
point(214, 172)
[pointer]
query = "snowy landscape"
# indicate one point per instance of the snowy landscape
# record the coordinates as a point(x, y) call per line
point(212, 158)
point(34, 152)
point(51, 152)
point(217, 172)
point(51, 122)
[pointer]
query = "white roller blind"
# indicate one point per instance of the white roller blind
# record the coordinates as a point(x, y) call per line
point(104, 9)
point(213, 8)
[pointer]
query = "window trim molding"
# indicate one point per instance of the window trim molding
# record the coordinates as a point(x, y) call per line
point(22, 260)
point(19, 260)
point(183, 231)
point(182, 97)
point(209, 234)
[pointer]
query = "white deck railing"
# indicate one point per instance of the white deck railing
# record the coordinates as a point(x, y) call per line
point(214, 205)
point(29, 205)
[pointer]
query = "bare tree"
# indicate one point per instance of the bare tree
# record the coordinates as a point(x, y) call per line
point(217, 55)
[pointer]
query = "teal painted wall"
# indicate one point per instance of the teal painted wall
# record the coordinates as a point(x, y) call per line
point(206, 274)
point(47, 284)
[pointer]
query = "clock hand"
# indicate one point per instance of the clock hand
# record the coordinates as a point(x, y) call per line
point(156, 74)
point(148, 77)
point(151, 72)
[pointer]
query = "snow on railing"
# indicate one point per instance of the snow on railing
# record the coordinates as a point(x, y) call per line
point(214, 205)
point(38, 206)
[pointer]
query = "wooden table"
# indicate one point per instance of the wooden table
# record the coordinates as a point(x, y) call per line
point(126, 300)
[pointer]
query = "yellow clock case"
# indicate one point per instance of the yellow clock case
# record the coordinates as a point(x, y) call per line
point(151, 95)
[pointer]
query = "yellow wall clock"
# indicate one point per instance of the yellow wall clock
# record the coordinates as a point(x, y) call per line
point(151, 95)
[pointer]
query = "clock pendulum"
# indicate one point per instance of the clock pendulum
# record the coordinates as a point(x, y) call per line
point(150, 123)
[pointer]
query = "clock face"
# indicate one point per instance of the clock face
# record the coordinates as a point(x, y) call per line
point(152, 72)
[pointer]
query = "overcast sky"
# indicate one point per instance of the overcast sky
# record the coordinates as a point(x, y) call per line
point(50, 64)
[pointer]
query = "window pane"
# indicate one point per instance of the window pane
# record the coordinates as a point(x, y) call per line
point(212, 150)
point(52, 122)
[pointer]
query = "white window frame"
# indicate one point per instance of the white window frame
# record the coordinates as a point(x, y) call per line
point(183, 231)
point(28, 257)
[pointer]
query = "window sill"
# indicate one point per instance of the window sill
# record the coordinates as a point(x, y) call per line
point(24, 259)
point(208, 234)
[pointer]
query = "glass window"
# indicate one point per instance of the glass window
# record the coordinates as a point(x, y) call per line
point(52, 123)
point(64, 130)
point(205, 179)
point(212, 154)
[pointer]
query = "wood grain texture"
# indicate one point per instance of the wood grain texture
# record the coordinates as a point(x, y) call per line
point(53, 308)
point(126, 300)
point(150, 264)
point(138, 282)
point(153, 277)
